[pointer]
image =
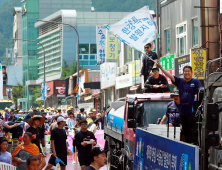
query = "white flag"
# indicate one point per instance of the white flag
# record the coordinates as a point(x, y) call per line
point(101, 43)
point(1, 82)
point(136, 29)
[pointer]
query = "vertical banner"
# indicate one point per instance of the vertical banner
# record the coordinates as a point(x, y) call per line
point(198, 62)
point(111, 47)
point(136, 66)
point(180, 63)
point(101, 43)
point(44, 91)
point(168, 64)
point(1, 81)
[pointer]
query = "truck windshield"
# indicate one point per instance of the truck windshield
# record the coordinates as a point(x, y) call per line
point(152, 111)
point(3, 105)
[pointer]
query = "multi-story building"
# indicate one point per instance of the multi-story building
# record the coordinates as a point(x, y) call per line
point(31, 11)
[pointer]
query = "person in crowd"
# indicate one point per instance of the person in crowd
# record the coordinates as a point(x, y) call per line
point(64, 111)
point(59, 112)
point(102, 118)
point(52, 111)
point(148, 64)
point(99, 115)
point(82, 145)
point(172, 109)
point(12, 117)
point(94, 113)
point(188, 88)
point(2, 125)
point(42, 129)
point(15, 112)
point(37, 110)
point(71, 121)
point(34, 123)
point(5, 156)
point(54, 124)
point(157, 83)
point(24, 151)
point(71, 108)
point(42, 111)
point(15, 131)
point(90, 119)
point(6, 114)
point(98, 158)
point(33, 163)
point(21, 112)
point(77, 128)
point(94, 126)
point(82, 114)
point(59, 145)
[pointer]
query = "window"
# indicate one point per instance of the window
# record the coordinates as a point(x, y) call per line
point(80, 57)
point(86, 57)
point(93, 49)
point(83, 48)
point(92, 57)
point(167, 33)
point(181, 35)
point(195, 31)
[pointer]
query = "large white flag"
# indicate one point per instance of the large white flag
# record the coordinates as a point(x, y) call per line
point(136, 29)
point(1, 82)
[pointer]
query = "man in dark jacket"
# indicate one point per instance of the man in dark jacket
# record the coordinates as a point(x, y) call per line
point(156, 83)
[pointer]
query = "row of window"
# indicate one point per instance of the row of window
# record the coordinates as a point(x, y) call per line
point(181, 37)
point(87, 62)
point(87, 49)
point(87, 57)
point(50, 35)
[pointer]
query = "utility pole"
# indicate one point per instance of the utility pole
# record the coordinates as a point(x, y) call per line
point(158, 29)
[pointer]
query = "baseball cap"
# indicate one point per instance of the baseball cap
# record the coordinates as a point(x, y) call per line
point(60, 119)
point(82, 121)
point(95, 152)
point(155, 68)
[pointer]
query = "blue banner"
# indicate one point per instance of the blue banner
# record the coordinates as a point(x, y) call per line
point(156, 152)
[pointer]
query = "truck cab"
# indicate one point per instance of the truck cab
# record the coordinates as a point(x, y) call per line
point(122, 119)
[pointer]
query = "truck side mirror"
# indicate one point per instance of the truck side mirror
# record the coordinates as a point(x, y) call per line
point(131, 112)
point(213, 110)
point(131, 123)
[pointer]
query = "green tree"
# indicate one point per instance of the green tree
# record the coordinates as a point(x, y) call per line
point(68, 71)
point(37, 93)
point(17, 92)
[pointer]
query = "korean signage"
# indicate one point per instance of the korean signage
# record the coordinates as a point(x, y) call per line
point(95, 91)
point(136, 66)
point(180, 63)
point(157, 152)
point(107, 75)
point(101, 43)
point(44, 91)
point(168, 64)
point(198, 62)
point(124, 81)
point(111, 47)
point(136, 29)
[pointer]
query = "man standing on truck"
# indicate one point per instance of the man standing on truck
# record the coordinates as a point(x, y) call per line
point(187, 90)
point(148, 64)
point(156, 83)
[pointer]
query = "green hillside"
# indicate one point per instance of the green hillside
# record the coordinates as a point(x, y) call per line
point(6, 16)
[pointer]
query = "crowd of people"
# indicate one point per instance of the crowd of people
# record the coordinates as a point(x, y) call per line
point(27, 138)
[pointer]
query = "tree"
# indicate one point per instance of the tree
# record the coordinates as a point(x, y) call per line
point(66, 71)
point(17, 92)
point(37, 93)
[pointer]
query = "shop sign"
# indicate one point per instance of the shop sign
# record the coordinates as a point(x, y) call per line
point(96, 91)
point(180, 63)
point(168, 64)
point(124, 81)
point(61, 90)
point(107, 74)
point(198, 62)
point(86, 106)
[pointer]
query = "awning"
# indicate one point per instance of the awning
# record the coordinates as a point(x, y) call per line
point(38, 99)
point(88, 98)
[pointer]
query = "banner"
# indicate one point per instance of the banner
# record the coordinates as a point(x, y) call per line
point(101, 43)
point(180, 63)
point(107, 75)
point(136, 66)
point(1, 82)
point(44, 91)
point(198, 62)
point(168, 64)
point(157, 152)
point(111, 47)
point(136, 29)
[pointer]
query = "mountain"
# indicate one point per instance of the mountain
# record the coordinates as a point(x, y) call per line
point(6, 16)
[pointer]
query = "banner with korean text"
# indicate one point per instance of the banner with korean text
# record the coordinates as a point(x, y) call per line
point(136, 66)
point(180, 63)
point(168, 64)
point(158, 152)
point(101, 43)
point(198, 62)
point(111, 47)
point(136, 29)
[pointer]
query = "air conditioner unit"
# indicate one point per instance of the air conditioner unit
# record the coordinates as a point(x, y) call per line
point(125, 69)
point(118, 71)
point(121, 70)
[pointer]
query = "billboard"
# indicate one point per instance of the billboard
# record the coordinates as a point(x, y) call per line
point(198, 62)
point(157, 152)
point(168, 64)
point(180, 63)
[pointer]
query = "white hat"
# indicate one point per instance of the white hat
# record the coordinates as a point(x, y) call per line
point(60, 119)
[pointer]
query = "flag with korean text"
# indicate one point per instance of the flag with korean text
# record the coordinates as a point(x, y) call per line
point(101, 43)
point(111, 47)
point(136, 29)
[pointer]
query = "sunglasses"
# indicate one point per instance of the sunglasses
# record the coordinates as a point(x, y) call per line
point(147, 47)
point(83, 123)
point(155, 71)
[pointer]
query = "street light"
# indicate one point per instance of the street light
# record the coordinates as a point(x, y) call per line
point(77, 42)
point(44, 63)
